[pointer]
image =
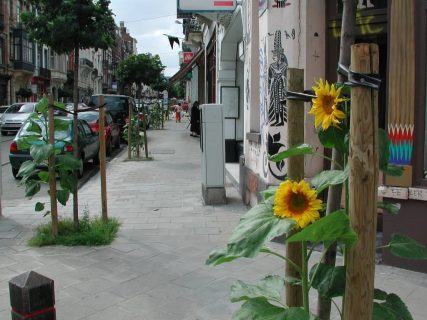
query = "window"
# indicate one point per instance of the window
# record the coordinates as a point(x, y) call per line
point(11, 8)
point(18, 10)
point(45, 56)
point(52, 59)
point(87, 129)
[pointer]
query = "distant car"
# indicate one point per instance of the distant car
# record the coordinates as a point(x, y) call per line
point(13, 118)
point(112, 129)
point(88, 144)
point(69, 106)
point(118, 105)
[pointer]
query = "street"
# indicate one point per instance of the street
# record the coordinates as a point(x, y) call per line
point(11, 188)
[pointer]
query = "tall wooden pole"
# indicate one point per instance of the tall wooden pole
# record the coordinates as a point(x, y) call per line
point(145, 136)
point(296, 112)
point(102, 161)
point(363, 188)
point(348, 27)
point(130, 131)
point(51, 168)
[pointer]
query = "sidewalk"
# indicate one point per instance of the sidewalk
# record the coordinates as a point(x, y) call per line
point(155, 268)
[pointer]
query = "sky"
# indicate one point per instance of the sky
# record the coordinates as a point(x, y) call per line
point(147, 21)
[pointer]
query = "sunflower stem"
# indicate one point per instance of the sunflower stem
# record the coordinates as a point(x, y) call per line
point(329, 159)
point(304, 277)
point(293, 264)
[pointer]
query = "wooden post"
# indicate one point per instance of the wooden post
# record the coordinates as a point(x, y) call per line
point(130, 131)
point(363, 185)
point(145, 137)
point(102, 160)
point(51, 168)
point(296, 112)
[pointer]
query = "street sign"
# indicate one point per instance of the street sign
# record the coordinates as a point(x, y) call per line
point(206, 5)
point(188, 56)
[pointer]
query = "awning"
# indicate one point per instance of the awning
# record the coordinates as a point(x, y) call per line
point(187, 68)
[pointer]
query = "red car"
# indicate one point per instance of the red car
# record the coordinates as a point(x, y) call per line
point(112, 129)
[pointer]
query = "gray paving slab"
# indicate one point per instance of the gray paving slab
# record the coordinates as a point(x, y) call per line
point(155, 268)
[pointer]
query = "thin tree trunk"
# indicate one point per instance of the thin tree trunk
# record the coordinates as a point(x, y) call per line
point(348, 26)
point(75, 133)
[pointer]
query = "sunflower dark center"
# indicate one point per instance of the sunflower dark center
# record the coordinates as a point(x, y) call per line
point(298, 202)
point(328, 103)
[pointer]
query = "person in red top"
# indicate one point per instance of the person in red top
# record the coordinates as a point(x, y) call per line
point(178, 110)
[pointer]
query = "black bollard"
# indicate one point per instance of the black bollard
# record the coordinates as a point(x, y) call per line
point(32, 297)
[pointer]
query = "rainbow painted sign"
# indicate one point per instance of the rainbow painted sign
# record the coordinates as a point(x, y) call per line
point(206, 5)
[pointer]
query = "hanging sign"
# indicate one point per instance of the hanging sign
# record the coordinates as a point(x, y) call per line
point(188, 56)
point(206, 5)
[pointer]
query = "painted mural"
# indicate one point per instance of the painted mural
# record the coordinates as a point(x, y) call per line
point(275, 145)
point(277, 82)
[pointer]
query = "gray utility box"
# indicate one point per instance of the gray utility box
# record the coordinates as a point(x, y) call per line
point(213, 160)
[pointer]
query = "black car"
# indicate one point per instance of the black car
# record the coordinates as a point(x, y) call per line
point(117, 105)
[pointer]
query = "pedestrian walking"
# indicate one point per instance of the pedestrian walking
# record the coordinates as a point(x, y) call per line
point(178, 110)
point(195, 120)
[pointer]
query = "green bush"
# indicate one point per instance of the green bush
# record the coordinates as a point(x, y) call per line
point(92, 232)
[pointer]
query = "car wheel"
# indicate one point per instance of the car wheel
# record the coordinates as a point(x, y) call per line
point(4, 133)
point(109, 148)
point(15, 173)
point(80, 170)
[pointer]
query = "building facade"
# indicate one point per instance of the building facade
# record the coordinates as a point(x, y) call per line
point(256, 45)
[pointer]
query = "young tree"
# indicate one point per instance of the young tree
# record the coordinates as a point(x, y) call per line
point(140, 69)
point(67, 26)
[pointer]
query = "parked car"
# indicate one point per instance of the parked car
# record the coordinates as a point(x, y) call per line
point(88, 144)
point(112, 129)
point(13, 118)
point(118, 105)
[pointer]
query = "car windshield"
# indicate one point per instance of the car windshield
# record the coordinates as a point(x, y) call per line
point(113, 103)
point(21, 108)
point(88, 116)
point(59, 134)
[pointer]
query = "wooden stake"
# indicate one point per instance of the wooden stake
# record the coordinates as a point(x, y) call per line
point(296, 112)
point(130, 131)
point(363, 185)
point(145, 136)
point(51, 168)
point(102, 160)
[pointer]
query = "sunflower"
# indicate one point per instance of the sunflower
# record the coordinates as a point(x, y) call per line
point(325, 109)
point(297, 201)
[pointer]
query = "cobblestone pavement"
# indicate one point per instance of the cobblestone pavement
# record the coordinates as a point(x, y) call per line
point(155, 268)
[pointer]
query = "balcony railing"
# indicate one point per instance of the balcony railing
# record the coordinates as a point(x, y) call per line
point(20, 65)
point(44, 73)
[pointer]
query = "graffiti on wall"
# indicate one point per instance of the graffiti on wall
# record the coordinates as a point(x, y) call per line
point(277, 83)
point(364, 25)
point(281, 3)
point(277, 169)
